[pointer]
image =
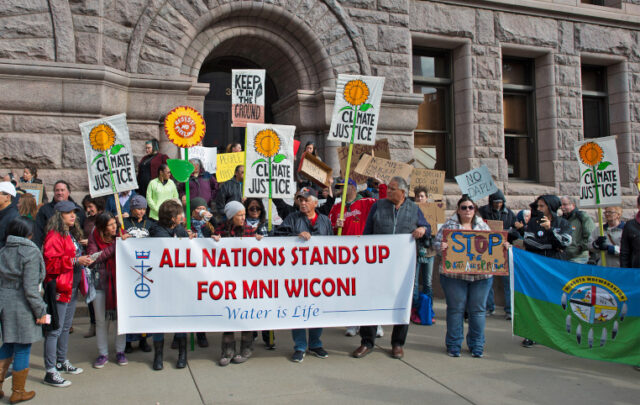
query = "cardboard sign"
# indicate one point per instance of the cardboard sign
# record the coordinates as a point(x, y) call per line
point(357, 104)
point(316, 170)
point(108, 138)
point(226, 164)
point(495, 225)
point(599, 173)
point(208, 156)
point(477, 183)
point(434, 214)
point(432, 180)
point(35, 189)
point(247, 96)
point(475, 252)
point(383, 169)
point(380, 149)
point(269, 166)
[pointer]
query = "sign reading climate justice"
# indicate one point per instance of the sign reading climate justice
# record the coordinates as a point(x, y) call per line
point(269, 166)
point(242, 284)
point(107, 149)
point(475, 252)
point(247, 96)
point(599, 179)
point(357, 104)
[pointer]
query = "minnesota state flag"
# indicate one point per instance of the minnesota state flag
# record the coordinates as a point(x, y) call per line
point(579, 309)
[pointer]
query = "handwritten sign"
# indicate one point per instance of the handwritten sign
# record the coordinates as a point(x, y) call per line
point(380, 149)
point(382, 169)
point(432, 180)
point(35, 189)
point(315, 170)
point(208, 156)
point(475, 252)
point(357, 104)
point(477, 183)
point(599, 173)
point(226, 164)
point(495, 225)
point(247, 96)
point(434, 214)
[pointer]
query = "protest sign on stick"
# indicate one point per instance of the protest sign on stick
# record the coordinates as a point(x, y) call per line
point(434, 214)
point(208, 156)
point(226, 165)
point(110, 163)
point(316, 170)
point(477, 183)
point(383, 169)
point(432, 180)
point(247, 96)
point(475, 252)
point(380, 149)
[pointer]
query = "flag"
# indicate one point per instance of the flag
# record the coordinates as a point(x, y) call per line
point(579, 309)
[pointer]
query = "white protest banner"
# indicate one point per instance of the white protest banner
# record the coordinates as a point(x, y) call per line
point(242, 284)
point(247, 96)
point(477, 183)
point(357, 103)
point(107, 149)
point(208, 156)
point(269, 166)
point(599, 174)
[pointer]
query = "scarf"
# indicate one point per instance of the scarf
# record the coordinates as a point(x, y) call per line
point(110, 275)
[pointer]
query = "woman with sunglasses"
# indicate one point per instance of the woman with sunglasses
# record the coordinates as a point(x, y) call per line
point(464, 291)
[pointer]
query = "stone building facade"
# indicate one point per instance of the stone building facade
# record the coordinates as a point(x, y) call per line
point(67, 61)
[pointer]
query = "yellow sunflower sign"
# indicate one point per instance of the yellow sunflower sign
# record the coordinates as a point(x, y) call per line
point(599, 174)
point(357, 109)
point(107, 148)
point(269, 161)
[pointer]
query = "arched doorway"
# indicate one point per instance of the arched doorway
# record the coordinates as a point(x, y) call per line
point(217, 104)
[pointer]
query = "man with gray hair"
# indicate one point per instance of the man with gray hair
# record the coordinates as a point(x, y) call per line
point(582, 226)
point(201, 184)
point(394, 215)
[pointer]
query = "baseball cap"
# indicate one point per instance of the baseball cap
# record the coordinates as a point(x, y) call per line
point(351, 182)
point(7, 187)
point(65, 206)
point(307, 192)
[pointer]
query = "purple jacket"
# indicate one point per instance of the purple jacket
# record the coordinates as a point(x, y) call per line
point(205, 186)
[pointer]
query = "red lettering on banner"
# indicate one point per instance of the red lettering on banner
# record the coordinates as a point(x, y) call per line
point(202, 289)
point(330, 254)
point(341, 255)
point(314, 292)
point(315, 256)
point(343, 287)
point(189, 262)
point(295, 256)
point(353, 286)
point(374, 253)
point(354, 250)
point(224, 258)
point(249, 291)
point(221, 290)
point(304, 250)
point(270, 256)
point(177, 263)
point(331, 283)
point(384, 252)
point(166, 259)
point(282, 258)
point(481, 244)
point(268, 291)
point(258, 261)
point(230, 287)
point(209, 257)
point(294, 288)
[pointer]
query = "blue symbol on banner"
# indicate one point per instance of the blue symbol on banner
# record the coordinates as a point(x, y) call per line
point(142, 290)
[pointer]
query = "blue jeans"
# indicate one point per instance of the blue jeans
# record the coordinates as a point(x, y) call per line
point(20, 353)
point(300, 339)
point(469, 295)
point(491, 304)
point(426, 269)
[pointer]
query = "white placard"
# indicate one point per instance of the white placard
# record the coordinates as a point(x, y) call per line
point(237, 284)
point(104, 137)
point(361, 95)
point(598, 160)
point(208, 156)
point(477, 183)
point(269, 161)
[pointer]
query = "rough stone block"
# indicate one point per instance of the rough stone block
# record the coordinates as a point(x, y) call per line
point(86, 50)
point(400, 20)
point(442, 19)
point(373, 17)
point(488, 101)
point(369, 33)
point(394, 6)
point(28, 48)
point(38, 124)
point(119, 32)
point(143, 131)
point(566, 35)
point(528, 30)
point(85, 7)
point(6, 123)
point(567, 76)
point(83, 23)
point(73, 152)
point(485, 24)
point(380, 58)
point(21, 7)
point(17, 149)
point(596, 38)
point(393, 39)
point(397, 78)
point(371, 4)
point(156, 55)
point(126, 13)
point(114, 53)
point(26, 26)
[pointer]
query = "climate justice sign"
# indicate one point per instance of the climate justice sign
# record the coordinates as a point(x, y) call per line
point(247, 96)
point(599, 179)
point(173, 285)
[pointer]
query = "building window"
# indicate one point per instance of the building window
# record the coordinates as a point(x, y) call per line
point(519, 123)
point(595, 117)
point(433, 144)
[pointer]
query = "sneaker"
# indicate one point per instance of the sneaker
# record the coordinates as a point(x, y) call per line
point(319, 352)
point(477, 355)
point(121, 359)
point(527, 343)
point(54, 379)
point(491, 312)
point(379, 331)
point(453, 354)
point(351, 331)
point(298, 356)
point(100, 361)
point(68, 368)
point(507, 317)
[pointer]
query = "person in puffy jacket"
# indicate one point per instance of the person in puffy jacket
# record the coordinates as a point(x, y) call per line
point(64, 263)
point(546, 233)
point(22, 309)
point(630, 243)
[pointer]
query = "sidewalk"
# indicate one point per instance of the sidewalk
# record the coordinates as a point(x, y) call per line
point(508, 374)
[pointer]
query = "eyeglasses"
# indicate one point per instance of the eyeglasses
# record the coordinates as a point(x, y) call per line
point(254, 209)
point(610, 212)
point(467, 207)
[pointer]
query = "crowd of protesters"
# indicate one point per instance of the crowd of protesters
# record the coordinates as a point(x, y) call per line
point(70, 250)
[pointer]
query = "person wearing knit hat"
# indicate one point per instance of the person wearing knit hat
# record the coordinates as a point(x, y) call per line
point(138, 224)
point(232, 208)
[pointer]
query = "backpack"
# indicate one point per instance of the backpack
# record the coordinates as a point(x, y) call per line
point(423, 314)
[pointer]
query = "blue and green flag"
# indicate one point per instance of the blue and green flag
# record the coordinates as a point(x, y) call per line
point(579, 309)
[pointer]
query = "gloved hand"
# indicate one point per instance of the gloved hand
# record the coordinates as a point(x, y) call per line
point(600, 243)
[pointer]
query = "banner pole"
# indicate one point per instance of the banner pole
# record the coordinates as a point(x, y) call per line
point(603, 256)
point(347, 170)
point(269, 221)
point(187, 196)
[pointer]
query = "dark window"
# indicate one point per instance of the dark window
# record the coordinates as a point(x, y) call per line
point(595, 118)
point(433, 143)
point(519, 118)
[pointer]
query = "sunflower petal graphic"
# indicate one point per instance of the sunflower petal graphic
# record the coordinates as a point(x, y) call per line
point(102, 137)
point(591, 154)
point(267, 143)
point(355, 92)
point(184, 126)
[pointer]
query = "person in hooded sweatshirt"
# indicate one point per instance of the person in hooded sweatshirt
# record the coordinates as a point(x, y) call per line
point(497, 210)
point(546, 233)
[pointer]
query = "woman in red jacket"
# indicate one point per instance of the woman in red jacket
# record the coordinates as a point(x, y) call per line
point(64, 262)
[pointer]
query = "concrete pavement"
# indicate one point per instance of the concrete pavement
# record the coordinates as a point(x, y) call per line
point(508, 374)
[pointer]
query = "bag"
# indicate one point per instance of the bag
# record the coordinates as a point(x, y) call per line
point(50, 298)
point(423, 314)
point(87, 285)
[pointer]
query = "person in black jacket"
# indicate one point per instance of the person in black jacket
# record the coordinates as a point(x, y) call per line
point(630, 243)
point(497, 210)
point(61, 191)
point(230, 190)
point(8, 208)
